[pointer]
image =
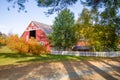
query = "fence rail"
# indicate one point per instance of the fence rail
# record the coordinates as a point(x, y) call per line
point(96, 54)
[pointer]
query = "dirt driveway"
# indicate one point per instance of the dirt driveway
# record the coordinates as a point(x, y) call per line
point(66, 70)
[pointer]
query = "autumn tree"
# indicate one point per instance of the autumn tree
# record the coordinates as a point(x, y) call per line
point(103, 38)
point(88, 28)
point(63, 33)
point(84, 17)
point(83, 25)
point(2, 38)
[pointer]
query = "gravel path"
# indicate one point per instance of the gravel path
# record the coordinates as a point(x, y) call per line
point(67, 70)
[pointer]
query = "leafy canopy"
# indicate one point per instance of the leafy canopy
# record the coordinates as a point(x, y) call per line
point(63, 33)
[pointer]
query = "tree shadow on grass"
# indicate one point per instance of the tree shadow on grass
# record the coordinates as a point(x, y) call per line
point(14, 55)
point(14, 72)
point(34, 71)
point(48, 57)
point(47, 71)
point(71, 71)
point(83, 70)
point(55, 58)
point(100, 72)
point(65, 60)
point(116, 68)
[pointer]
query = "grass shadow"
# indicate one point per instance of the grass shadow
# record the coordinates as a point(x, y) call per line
point(71, 72)
point(14, 55)
point(16, 72)
point(49, 57)
point(116, 68)
point(100, 72)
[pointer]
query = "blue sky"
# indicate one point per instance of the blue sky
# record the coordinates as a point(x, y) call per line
point(14, 22)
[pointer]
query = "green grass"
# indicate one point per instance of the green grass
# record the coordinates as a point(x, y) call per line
point(9, 57)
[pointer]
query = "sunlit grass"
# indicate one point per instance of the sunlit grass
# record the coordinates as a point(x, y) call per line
point(10, 57)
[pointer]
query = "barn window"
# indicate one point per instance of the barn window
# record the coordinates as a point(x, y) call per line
point(33, 34)
point(42, 43)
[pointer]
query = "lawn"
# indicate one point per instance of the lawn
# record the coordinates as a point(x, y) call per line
point(10, 57)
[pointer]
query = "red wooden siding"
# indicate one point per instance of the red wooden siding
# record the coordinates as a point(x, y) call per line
point(25, 35)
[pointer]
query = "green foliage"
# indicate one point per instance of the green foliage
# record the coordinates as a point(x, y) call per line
point(85, 17)
point(110, 16)
point(83, 26)
point(117, 44)
point(63, 30)
point(104, 38)
point(56, 5)
point(101, 38)
point(21, 46)
point(95, 18)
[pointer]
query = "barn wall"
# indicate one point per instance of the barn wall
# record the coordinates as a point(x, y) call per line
point(25, 35)
point(42, 38)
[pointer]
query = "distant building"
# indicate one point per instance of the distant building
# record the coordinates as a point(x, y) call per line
point(39, 31)
point(81, 46)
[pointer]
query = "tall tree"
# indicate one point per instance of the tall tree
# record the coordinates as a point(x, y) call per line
point(111, 12)
point(95, 16)
point(63, 33)
point(85, 17)
point(84, 24)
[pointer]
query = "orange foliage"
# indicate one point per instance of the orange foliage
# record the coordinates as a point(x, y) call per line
point(35, 47)
point(2, 40)
point(23, 46)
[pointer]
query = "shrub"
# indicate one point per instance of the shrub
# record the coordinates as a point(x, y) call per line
point(2, 40)
point(12, 41)
point(35, 47)
point(22, 46)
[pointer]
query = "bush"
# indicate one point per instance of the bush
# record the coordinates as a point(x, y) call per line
point(22, 46)
point(36, 48)
point(2, 40)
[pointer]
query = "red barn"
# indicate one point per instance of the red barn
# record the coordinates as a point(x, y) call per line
point(39, 31)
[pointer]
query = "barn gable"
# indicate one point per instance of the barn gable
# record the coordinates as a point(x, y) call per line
point(34, 25)
point(47, 29)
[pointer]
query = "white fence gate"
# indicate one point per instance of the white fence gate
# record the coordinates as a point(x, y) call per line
point(97, 54)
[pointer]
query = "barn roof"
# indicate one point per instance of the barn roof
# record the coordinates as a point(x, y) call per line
point(47, 29)
point(80, 48)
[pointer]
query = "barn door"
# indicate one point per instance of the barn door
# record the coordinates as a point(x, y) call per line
point(33, 34)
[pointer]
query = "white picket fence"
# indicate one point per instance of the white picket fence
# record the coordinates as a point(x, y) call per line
point(96, 54)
